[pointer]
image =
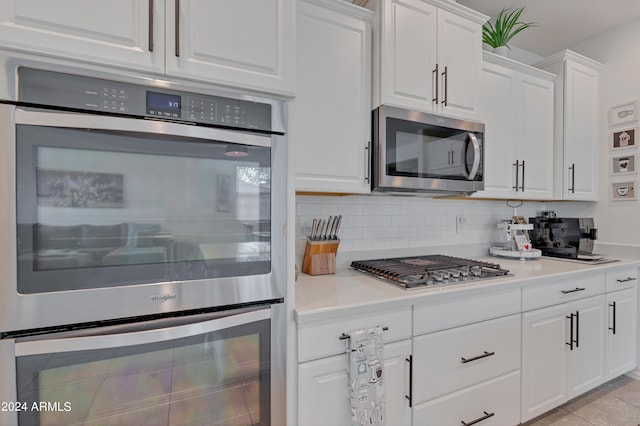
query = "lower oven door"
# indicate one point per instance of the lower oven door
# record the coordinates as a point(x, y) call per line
point(190, 370)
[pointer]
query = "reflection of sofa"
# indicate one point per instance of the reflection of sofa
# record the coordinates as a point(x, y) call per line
point(97, 245)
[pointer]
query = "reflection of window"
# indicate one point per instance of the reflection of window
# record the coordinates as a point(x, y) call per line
point(252, 188)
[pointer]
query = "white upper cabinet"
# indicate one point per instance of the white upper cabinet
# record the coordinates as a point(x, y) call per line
point(516, 106)
point(248, 44)
point(125, 33)
point(331, 128)
point(428, 56)
point(576, 125)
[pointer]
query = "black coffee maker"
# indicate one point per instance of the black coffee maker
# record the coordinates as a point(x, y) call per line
point(562, 237)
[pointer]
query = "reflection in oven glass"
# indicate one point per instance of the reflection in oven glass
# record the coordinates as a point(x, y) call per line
point(210, 382)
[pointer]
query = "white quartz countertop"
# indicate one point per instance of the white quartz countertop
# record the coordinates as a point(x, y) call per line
point(349, 292)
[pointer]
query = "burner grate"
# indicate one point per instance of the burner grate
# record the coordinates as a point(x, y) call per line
point(421, 271)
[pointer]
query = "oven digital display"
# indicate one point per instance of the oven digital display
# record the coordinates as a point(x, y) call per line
point(164, 104)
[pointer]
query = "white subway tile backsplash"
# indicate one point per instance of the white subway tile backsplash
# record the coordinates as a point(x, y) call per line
point(397, 222)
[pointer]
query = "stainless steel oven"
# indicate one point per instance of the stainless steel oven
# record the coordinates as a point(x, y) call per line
point(214, 368)
point(133, 199)
point(416, 152)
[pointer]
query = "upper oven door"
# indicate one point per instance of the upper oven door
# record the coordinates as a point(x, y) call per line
point(418, 151)
point(179, 214)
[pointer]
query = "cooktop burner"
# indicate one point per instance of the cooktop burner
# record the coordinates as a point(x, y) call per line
point(426, 271)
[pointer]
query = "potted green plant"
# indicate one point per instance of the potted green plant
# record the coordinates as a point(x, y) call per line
point(506, 26)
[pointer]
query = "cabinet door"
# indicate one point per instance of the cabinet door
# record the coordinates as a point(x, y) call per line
point(587, 357)
point(580, 132)
point(497, 110)
point(535, 138)
point(460, 62)
point(621, 332)
point(323, 388)
point(545, 333)
point(408, 56)
point(248, 44)
point(332, 124)
point(124, 33)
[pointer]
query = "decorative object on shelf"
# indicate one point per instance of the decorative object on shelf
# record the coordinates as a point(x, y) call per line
point(361, 3)
point(506, 26)
point(625, 190)
point(623, 139)
point(623, 113)
point(623, 164)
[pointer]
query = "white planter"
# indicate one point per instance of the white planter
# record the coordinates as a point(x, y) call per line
point(501, 50)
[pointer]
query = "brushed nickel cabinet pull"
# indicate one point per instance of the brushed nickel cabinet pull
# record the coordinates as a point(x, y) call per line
point(367, 159)
point(522, 187)
point(613, 305)
point(151, 25)
point(434, 76)
point(445, 75)
point(517, 166)
point(573, 178)
point(478, 420)
point(177, 27)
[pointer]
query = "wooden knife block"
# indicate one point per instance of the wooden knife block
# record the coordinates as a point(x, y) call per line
point(320, 257)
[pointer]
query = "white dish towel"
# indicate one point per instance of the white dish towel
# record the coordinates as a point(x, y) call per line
point(366, 378)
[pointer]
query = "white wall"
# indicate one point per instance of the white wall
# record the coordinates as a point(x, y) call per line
point(619, 50)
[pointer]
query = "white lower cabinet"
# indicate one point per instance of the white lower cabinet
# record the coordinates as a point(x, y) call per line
point(622, 322)
point(467, 374)
point(323, 388)
point(492, 403)
point(563, 349)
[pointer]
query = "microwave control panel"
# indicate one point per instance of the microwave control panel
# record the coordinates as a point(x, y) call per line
point(61, 90)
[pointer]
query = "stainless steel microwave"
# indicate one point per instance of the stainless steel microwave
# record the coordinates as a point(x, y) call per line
point(417, 152)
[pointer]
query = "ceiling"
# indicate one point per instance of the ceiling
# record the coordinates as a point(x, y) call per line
point(561, 23)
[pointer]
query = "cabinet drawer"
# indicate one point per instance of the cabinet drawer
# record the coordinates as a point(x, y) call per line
point(564, 290)
point(321, 339)
point(462, 310)
point(454, 359)
point(497, 401)
point(620, 279)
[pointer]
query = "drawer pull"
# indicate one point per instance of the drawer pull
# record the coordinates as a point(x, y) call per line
point(345, 336)
point(572, 291)
point(475, 358)
point(478, 420)
point(626, 280)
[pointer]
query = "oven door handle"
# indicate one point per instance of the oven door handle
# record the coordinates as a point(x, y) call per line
point(48, 118)
point(138, 333)
point(476, 157)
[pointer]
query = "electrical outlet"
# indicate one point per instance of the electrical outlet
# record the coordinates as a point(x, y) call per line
point(461, 223)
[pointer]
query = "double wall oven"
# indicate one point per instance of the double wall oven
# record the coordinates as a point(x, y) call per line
point(142, 250)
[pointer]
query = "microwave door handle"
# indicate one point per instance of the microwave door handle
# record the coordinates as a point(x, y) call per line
point(476, 157)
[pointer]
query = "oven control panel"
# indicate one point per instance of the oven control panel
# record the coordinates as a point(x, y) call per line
point(54, 89)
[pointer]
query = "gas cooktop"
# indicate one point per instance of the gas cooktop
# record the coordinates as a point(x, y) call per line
point(426, 271)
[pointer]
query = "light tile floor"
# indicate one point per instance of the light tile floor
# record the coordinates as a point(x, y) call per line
point(616, 403)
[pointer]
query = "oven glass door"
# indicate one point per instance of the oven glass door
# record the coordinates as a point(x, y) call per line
point(208, 372)
point(104, 202)
point(419, 150)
